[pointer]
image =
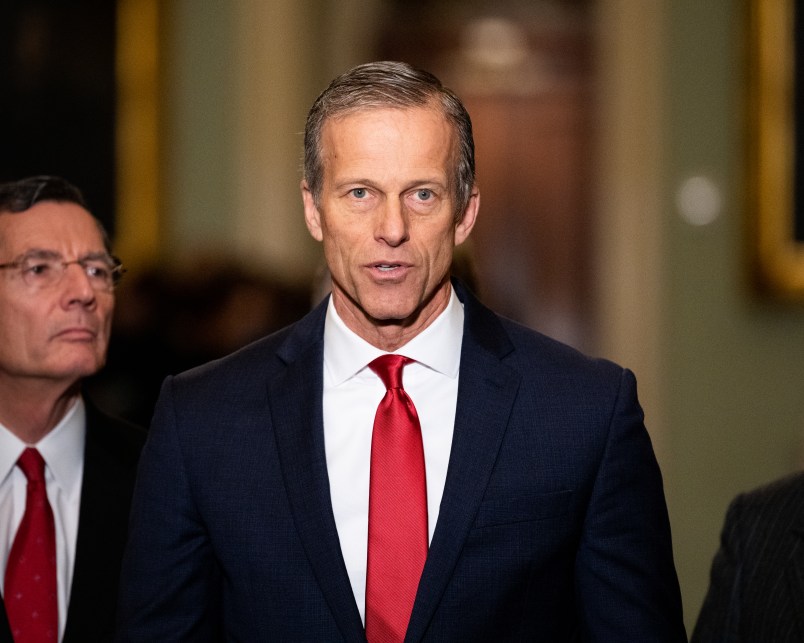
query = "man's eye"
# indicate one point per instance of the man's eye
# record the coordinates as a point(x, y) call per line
point(98, 271)
point(359, 193)
point(424, 194)
point(38, 268)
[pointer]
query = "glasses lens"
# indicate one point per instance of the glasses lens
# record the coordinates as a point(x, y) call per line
point(45, 272)
point(41, 272)
point(100, 274)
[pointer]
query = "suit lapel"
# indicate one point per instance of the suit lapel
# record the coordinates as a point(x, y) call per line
point(795, 576)
point(103, 521)
point(296, 413)
point(5, 628)
point(486, 393)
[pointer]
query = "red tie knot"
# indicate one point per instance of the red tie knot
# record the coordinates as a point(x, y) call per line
point(33, 465)
point(389, 369)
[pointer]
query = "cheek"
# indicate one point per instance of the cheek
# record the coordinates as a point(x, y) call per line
point(106, 321)
point(17, 325)
point(22, 341)
point(9, 339)
point(440, 250)
point(340, 251)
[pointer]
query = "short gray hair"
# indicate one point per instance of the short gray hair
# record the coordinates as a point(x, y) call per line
point(390, 84)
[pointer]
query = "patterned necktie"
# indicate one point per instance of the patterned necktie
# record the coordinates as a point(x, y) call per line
point(29, 592)
point(397, 538)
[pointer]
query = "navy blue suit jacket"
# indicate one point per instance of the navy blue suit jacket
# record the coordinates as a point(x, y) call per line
point(552, 527)
point(110, 463)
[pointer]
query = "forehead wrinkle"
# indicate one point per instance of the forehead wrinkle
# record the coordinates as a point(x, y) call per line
point(395, 122)
point(42, 253)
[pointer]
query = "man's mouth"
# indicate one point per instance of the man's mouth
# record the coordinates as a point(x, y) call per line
point(77, 333)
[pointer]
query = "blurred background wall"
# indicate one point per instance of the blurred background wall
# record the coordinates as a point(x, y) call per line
point(612, 139)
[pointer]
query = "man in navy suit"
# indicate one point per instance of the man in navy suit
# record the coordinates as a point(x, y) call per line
point(546, 519)
point(57, 277)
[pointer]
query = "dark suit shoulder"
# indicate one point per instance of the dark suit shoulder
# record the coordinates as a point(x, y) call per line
point(553, 353)
point(527, 351)
point(261, 357)
point(770, 495)
point(777, 505)
point(513, 342)
point(118, 438)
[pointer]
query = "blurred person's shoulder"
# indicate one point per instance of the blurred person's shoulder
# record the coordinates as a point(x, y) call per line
point(779, 494)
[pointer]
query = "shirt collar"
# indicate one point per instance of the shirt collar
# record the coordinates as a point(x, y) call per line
point(438, 346)
point(62, 448)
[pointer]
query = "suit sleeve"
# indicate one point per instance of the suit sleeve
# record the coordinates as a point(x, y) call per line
point(170, 580)
point(625, 575)
point(719, 619)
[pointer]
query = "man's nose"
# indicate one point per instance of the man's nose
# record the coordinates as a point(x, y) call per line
point(392, 224)
point(76, 285)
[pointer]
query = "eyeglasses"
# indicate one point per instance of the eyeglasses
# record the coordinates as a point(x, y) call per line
point(43, 270)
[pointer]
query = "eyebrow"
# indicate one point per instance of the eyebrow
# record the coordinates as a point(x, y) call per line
point(43, 253)
point(40, 253)
point(410, 185)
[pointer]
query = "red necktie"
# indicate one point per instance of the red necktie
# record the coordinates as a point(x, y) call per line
point(29, 592)
point(397, 538)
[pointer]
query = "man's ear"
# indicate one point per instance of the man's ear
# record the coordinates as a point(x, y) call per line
point(311, 215)
point(467, 222)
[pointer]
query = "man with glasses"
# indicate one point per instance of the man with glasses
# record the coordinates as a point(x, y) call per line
point(66, 469)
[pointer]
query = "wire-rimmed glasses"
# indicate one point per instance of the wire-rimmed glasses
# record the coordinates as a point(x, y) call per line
point(41, 270)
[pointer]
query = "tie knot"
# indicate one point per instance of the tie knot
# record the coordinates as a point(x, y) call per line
point(389, 369)
point(32, 464)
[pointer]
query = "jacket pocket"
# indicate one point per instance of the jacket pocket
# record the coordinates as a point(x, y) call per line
point(522, 507)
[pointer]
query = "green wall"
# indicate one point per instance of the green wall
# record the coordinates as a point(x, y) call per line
point(198, 154)
point(733, 361)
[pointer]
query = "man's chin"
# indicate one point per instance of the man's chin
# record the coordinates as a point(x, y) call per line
point(77, 369)
point(404, 312)
point(394, 311)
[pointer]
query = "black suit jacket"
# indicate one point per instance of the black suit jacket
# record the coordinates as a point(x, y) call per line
point(552, 525)
point(756, 592)
point(110, 460)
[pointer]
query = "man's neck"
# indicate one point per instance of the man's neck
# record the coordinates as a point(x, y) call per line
point(389, 335)
point(31, 410)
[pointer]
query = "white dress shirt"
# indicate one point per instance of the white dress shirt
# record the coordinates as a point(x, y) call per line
point(352, 392)
point(63, 452)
